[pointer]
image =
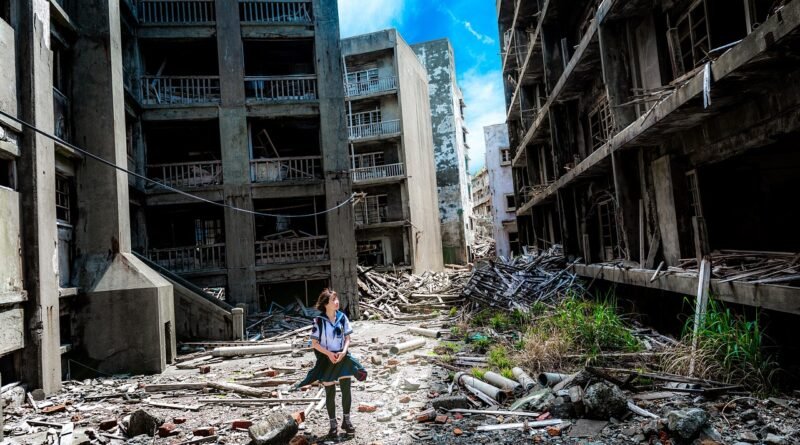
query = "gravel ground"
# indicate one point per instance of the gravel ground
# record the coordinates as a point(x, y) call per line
point(398, 390)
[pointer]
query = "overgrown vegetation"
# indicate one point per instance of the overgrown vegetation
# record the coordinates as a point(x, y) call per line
point(576, 327)
point(730, 349)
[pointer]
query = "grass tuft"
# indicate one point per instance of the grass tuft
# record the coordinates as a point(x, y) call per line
point(498, 357)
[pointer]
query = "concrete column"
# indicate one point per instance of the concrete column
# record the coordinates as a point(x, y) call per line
point(41, 366)
point(335, 157)
point(237, 314)
point(239, 226)
point(120, 293)
point(665, 208)
point(614, 56)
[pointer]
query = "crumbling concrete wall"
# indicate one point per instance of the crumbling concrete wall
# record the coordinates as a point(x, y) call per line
point(450, 151)
point(500, 184)
point(417, 139)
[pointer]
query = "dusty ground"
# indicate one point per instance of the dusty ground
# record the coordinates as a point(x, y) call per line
point(746, 420)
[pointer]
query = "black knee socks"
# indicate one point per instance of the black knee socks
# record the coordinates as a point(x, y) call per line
point(330, 401)
point(346, 400)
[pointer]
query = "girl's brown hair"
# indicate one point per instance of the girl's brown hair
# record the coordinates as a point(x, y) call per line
point(324, 298)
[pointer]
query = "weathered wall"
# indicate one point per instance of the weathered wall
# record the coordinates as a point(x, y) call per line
point(8, 78)
point(450, 152)
point(500, 184)
point(417, 138)
point(197, 318)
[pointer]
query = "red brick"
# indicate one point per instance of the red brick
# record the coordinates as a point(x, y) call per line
point(393, 362)
point(205, 431)
point(405, 399)
point(367, 408)
point(179, 420)
point(543, 416)
point(458, 416)
point(457, 431)
point(553, 431)
point(54, 409)
point(167, 430)
point(204, 369)
point(299, 417)
point(441, 418)
point(241, 424)
point(107, 424)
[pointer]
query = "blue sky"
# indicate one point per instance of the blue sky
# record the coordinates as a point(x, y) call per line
point(471, 26)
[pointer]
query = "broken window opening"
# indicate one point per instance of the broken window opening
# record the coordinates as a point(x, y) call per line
point(374, 209)
point(694, 193)
point(288, 292)
point(279, 57)
point(8, 173)
point(373, 252)
point(601, 123)
point(693, 36)
point(196, 57)
point(184, 154)
point(511, 203)
point(609, 242)
point(513, 242)
point(365, 117)
point(186, 239)
point(64, 198)
point(505, 156)
point(285, 150)
point(281, 239)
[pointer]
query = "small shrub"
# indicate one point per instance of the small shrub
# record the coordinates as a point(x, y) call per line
point(507, 373)
point(478, 373)
point(453, 311)
point(483, 343)
point(498, 358)
point(499, 321)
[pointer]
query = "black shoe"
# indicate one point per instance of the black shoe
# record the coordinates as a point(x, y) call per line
point(333, 432)
point(348, 427)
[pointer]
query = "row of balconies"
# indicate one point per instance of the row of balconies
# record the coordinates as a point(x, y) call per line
point(158, 90)
point(304, 168)
point(211, 257)
point(203, 12)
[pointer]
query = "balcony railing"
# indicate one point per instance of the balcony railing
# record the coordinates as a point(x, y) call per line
point(363, 88)
point(374, 129)
point(275, 11)
point(188, 174)
point(177, 12)
point(301, 168)
point(61, 120)
point(292, 250)
point(280, 88)
point(180, 89)
point(190, 259)
point(378, 172)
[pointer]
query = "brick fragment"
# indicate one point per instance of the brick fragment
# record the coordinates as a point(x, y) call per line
point(205, 431)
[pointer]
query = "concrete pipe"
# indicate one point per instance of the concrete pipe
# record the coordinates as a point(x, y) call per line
point(492, 391)
point(235, 351)
point(523, 378)
point(551, 378)
point(432, 333)
point(407, 346)
point(502, 382)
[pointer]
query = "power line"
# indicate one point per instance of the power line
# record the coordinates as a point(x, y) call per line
point(161, 184)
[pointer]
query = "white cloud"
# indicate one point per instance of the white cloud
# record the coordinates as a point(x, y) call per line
point(485, 100)
point(483, 38)
point(365, 16)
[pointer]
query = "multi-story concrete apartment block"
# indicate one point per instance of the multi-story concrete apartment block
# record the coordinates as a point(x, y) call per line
point(482, 204)
point(391, 144)
point(240, 102)
point(450, 148)
point(70, 285)
point(501, 188)
point(649, 131)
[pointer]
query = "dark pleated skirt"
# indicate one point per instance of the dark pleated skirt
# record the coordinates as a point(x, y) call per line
point(324, 371)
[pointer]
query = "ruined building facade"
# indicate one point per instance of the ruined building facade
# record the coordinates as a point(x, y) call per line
point(241, 102)
point(392, 155)
point(501, 189)
point(649, 131)
point(450, 148)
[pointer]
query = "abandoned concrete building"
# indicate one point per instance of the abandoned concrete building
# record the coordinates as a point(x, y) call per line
point(501, 189)
point(481, 204)
point(240, 102)
point(397, 225)
point(450, 148)
point(647, 133)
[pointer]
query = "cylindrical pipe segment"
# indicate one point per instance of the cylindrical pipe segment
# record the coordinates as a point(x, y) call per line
point(235, 351)
point(551, 378)
point(523, 378)
point(407, 346)
point(502, 382)
point(492, 391)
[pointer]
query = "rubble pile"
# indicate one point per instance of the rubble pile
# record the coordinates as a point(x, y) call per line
point(279, 319)
point(395, 296)
point(522, 281)
point(483, 247)
point(751, 267)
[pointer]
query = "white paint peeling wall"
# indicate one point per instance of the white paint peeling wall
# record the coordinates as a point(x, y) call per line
point(450, 151)
point(500, 185)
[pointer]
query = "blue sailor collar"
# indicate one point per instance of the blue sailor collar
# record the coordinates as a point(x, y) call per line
point(339, 316)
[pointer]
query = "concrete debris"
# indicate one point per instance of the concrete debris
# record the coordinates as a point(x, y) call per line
point(142, 422)
point(686, 424)
point(603, 401)
point(277, 428)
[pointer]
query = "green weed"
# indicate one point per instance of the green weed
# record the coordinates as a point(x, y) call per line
point(478, 373)
point(498, 358)
point(506, 372)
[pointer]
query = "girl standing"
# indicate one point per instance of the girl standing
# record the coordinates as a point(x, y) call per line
point(330, 339)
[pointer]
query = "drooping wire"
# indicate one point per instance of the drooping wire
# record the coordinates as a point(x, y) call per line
point(165, 186)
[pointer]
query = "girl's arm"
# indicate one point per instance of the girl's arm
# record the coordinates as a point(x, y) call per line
point(315, 345)
point(344, 350)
